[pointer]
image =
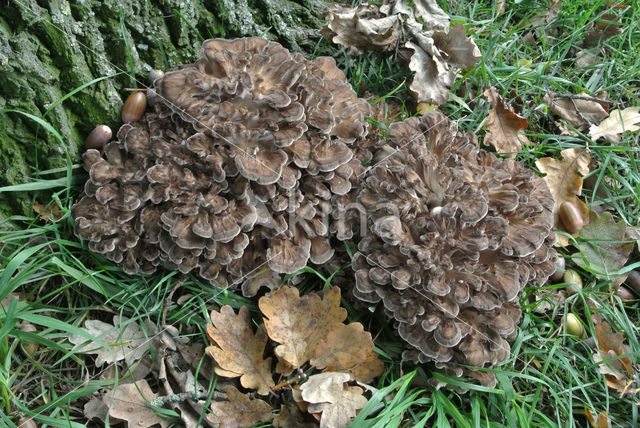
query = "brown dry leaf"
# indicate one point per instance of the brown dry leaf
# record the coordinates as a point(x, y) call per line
point(617, 371)
point(48, 212)
point(129, 402)
point(238, 351)
point(578, 113)
point(239, 411)
point(95, 409)
point(299, 322)
point(289, 320)
point(540, 23)
point(436, 60)
point(290, 417)
point(504, 126)
point(422, 25)
point(602, 421)
point(564, 178)
point(627, 120)
point(338, 403)
point(369, 369)
point(361, 28)
point(345, 347)
point(604, 248)
point(606, 27)
point(127, 342)
point(387, 111)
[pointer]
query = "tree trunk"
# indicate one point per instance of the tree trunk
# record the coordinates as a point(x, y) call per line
point(49, 48)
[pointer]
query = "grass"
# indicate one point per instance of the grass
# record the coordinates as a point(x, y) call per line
point(50, 280)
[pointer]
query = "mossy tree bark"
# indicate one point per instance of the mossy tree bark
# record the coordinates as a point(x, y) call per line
point(48, 48)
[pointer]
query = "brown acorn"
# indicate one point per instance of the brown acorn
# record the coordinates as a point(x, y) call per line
point(625, 294)
point(27, 423)
point(633, 281)
point(29, 347)
point(134, 107)
point(97, 138)
point(570, 217)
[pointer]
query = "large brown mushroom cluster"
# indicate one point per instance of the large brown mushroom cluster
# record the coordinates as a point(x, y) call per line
point(454, 234)
point(254, 157)
point(234, 168)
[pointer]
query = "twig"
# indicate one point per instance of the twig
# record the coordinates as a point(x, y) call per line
point(581, 97)
point(184, 396)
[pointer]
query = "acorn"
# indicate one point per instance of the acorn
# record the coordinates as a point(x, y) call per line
point(97, 138)
point(29, 347)
point(633, 281)
point(559, 273)
point(625, 294)
point(574, 326)
point(134, 107)
point(154, 75)
point(27, 423)
point(573, 281)
point(570, 217)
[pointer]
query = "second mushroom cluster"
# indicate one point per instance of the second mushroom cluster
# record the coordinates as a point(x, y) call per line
point(255, 157)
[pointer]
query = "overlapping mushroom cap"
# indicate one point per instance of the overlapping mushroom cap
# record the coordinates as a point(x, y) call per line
point(454, 235)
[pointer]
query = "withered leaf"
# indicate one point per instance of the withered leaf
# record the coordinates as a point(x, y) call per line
point(48, 212)
point(299, 322)
point(361, 28)
point(369, 369)
point(504, 126)
point(439, 51)
point(627, 120)
point(124, 341)
point(289, 320)
point(290, 417)
point(129, 402)
point(604, 247)
point(95, 409)
point(607, 26)
point(338, 403)
point(340, 413)
point(328, 313)
point(617, 371)
point(579, 113)
point(324, 387)
point(239, 411)
point(238, 351)
point(344, 347)
point(564, 178)
point(602, 421)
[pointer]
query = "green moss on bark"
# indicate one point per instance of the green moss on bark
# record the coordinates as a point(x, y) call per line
point(49, 48)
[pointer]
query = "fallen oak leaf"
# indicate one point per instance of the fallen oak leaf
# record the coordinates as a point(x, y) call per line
point(239, 411)
point(289, 321)
point(617, 370)
point(238, 351)
point(369, 369)
point(324, 387)
point(129, 402)
point(50, 212)
point(602, 421)
point(290, 417)
point(298, 323)
point(579, 113)
point(504, 126)
point(328, 395)
point(604, 247)
point(360, 29)
point(627, 120)
point(125, 340)
point(564, 178)
point(345, 347)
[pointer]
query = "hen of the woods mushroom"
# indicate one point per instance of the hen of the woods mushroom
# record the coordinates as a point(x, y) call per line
point(254, 156)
